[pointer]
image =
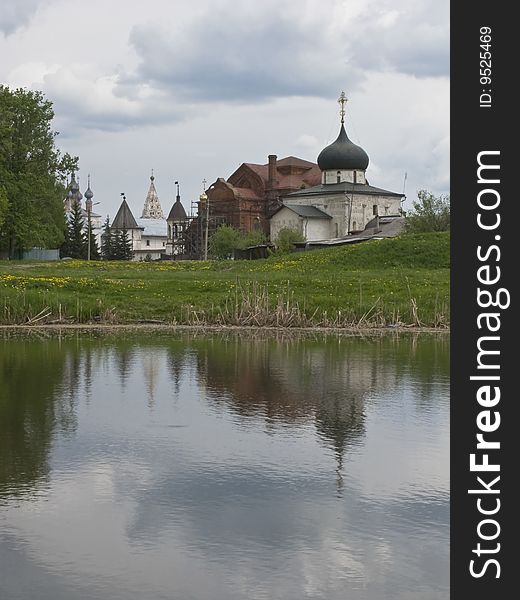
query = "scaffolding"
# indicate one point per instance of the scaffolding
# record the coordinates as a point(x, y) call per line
point(189, 239)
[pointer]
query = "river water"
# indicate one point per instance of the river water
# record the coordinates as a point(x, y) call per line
point(159, 465)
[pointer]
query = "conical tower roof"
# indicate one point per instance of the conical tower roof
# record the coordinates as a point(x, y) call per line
point(124, 218)
point(177, 212)
point(152, 207)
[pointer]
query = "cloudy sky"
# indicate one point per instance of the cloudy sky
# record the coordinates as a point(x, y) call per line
point(192, 90)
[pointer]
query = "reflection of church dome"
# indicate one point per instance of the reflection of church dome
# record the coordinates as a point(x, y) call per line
point(343, 155)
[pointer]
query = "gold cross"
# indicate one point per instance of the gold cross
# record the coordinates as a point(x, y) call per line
point(342, 100)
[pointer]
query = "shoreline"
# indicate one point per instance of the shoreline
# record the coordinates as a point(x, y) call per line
point(221, 328)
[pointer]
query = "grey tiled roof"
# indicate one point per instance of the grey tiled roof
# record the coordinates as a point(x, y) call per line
point(342, 188)
point(124, 218)
point(307, 211)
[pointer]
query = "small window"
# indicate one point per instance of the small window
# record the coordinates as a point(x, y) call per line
point(147, 242)
point(338, 177)
point(374, 209)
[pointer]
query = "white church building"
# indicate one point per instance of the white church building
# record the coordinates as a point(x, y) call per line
point(344, 203)
point(153, 236)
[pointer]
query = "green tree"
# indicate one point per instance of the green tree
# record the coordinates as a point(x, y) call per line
point(3, 206)
point(253, 238)
point(94, 249)
point(429, 213)
point(286, 239)
point(107, 241)
point(222, 243)
point(75, 244)
point(32, 172)
point(122, 246)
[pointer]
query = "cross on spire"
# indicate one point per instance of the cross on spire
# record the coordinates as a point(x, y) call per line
point(342, 101)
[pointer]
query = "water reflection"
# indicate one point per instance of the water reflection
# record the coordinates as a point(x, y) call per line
point(30, 410)
point(224, 466)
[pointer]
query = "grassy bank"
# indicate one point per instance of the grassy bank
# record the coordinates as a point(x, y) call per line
point(396, 281)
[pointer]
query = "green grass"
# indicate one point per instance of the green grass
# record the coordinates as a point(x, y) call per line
point(399, 280)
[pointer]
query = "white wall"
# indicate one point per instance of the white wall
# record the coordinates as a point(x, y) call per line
point(282, 219)
point(316, 229)
point(310, 228)
point(344, 175)
point(337, 206)
point(157, 246)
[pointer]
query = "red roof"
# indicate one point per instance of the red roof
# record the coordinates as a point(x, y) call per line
point(307, 173)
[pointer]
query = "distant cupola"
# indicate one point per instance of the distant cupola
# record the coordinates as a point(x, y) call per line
point(76, 195)
point(89, 194)
point(343, 160)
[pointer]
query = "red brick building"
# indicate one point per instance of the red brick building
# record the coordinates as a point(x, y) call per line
point(251, 194)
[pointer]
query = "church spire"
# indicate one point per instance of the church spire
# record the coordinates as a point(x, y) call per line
point(89, 194)
point(152, 207)
point(342, 101)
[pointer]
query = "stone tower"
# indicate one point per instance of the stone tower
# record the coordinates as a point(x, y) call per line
point(152, 207)
point(74, 196)
point(177, 223)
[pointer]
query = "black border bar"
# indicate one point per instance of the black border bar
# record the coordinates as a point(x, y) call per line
point(483, 121)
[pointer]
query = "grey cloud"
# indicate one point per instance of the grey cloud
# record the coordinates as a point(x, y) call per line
point(235, 57)
point(103, 110)
point(72, 118)
point(232, 60)
point(413, 41)
point(16, 13)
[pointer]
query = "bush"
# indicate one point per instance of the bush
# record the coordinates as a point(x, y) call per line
point(223, 242)
point(227, 239)
point(286, 239)
point(429, 213)
point(253, 238)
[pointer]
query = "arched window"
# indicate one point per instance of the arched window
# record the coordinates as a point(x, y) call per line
point(374, 209)
point(354, 226)
point(338, 177)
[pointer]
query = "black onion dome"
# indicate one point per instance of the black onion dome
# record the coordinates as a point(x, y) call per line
point(343, 154)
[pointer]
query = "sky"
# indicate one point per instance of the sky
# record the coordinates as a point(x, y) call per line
point(193, 90)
